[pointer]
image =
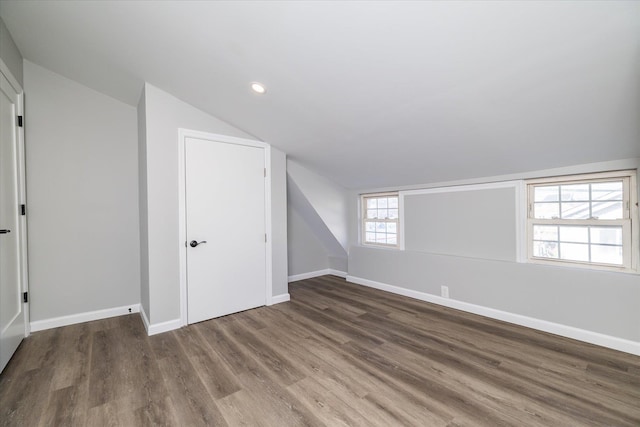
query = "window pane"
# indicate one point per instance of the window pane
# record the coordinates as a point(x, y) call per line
point(545, 249)
point(606, 254)
point(607, 210)
point(606, 190)
point(380, 216)
point(575, 192)
point(544, 232)
point(582, 219)
point(574, 251)
point(578, 210)
point(574, 234)
point(546, 194)
point(607, 235)
point(546, 210)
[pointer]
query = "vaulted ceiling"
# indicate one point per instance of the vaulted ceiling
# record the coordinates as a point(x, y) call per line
point(370, 93)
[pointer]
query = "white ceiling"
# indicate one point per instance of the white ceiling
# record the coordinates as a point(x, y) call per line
point(370, 93)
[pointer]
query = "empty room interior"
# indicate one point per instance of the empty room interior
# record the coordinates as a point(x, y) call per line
point(319, 213)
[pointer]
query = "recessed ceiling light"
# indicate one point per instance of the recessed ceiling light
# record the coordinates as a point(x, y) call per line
point(258, 88)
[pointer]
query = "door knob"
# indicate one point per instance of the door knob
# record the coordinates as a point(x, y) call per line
point(5, 231)
point(193, 243)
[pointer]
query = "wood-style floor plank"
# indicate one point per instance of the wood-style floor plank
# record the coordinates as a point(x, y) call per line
point(191, 401)
point(337, 354)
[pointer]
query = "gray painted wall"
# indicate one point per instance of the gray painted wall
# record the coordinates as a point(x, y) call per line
point(165, 114)
point(321, 207)
point(479, 223)
point(81, 196)
point(306, 251)
point(328, 199)
point(298, 200)
point(598, 301)
point(338, 263)
point(279, 222)
point(10, 54)
point(142, 203)
point(592, 300)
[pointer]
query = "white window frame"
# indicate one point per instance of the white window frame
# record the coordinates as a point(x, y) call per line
point(363, 220)
point(629, 222)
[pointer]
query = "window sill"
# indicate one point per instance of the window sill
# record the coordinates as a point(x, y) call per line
point(387, 248)
point(582, 266)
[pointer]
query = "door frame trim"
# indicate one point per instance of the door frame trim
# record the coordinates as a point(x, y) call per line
point(182, 217)
point(22, 192)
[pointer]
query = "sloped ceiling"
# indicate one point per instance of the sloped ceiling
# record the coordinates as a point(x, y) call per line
point(370, 93)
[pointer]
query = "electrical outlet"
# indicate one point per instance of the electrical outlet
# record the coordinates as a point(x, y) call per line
point(444, 291)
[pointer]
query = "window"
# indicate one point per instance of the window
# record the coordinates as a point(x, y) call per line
point(380, 219)
point(583, 220)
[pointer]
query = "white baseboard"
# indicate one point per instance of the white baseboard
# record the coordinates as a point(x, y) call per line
point(597, 338)
point(145, 318)
point(56, 322)
point(309, 275)
point(317, 273)
point(277, 299)
point(338, 273)
point(169, 325)
point(158, 328)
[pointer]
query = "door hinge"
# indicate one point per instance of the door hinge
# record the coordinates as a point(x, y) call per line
point(19, 119)
point(23, 209)
point(25, 297)
point(265, 172)
point(265, 237)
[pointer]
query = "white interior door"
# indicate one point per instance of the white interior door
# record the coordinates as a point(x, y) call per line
point(225, 207)
point(12, 322)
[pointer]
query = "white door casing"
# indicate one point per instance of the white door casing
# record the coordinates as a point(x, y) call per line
point(13, 267)
point(225, 201)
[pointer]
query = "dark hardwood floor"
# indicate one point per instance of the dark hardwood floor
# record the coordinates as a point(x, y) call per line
point(338, 355)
